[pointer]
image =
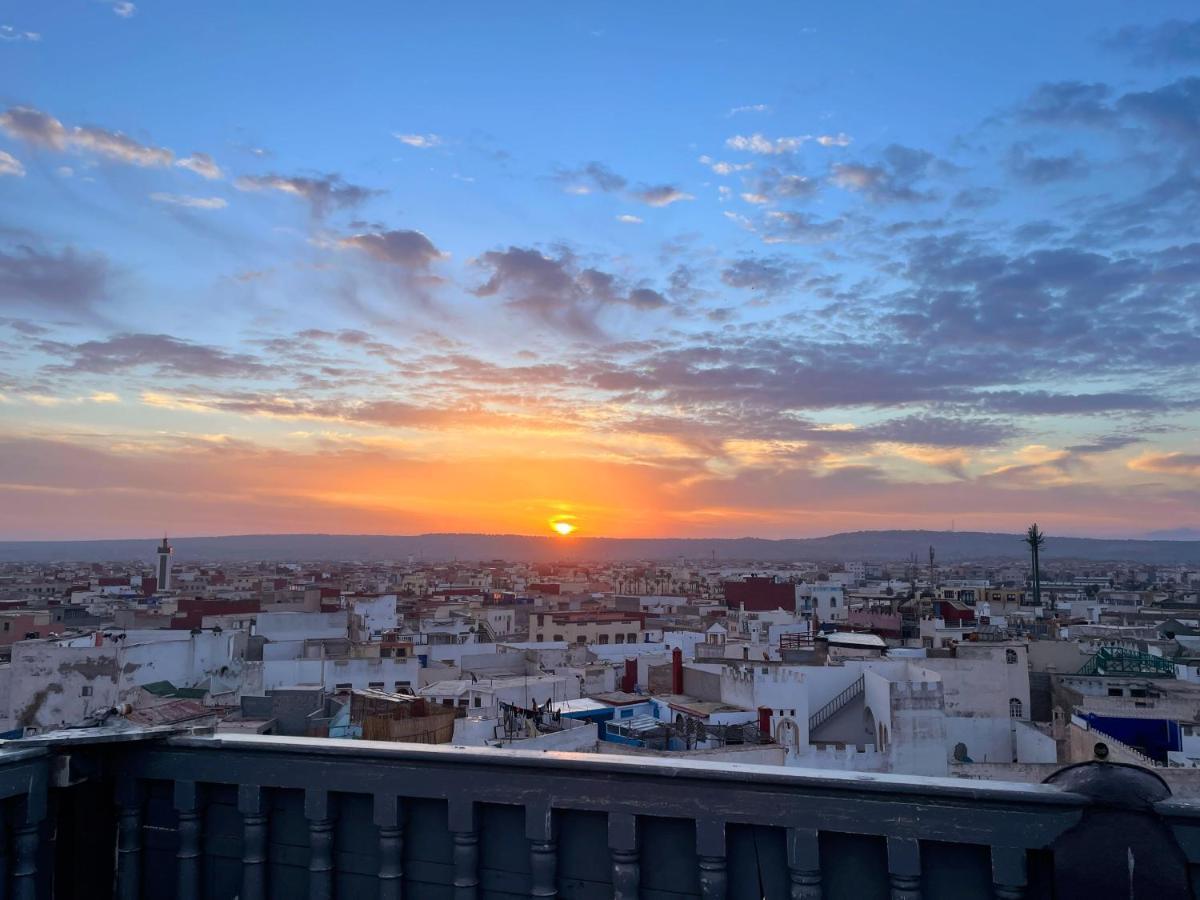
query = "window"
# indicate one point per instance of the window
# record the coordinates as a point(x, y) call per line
point(1137, 692)
point(478, 701)
point(1116, 692)
point(447, 702)
point(85, 691)
point(462, 702)
point(1015, 708)
point(7, 626)
point(375, 685)
point(558, 637)
point(541, 637)
point(403, 687)
point(631, 637)
point(604, 639)
point(619, 639)
point(343, 686)
point(1010, 656)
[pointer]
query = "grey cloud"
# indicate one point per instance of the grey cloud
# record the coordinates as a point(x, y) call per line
point(66, 280)
point(1028, 166)
point(1047, 403)
point(164, 354)
point(557, 291)
point(769, 275)
point(409, 249)
point(324, 193)
point(1069, 103)
point(35, 127)
point(592, 176)
point(789, 227)
point(1173, 41)
point(659, 194)
point(1172, 110)
point(892, 180)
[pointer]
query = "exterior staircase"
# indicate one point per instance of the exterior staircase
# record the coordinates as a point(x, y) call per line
point(830, 709)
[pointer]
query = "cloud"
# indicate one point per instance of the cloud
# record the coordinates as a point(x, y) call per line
point(40, 129)
point(408, 249)
point(34, 127)
point(752, 108)
point(10, 165)
point(163, 354)
point(629, 220)
point(759, 143)
point(1172, 110)
point(1173, 41)
point(1053, 404)
point(67, 280)
point(13, 35)
point(1069, 103)
point(324, 193)
point(124, 9)
point(769, 275)
point(1027, 166)
point(724, 168)
point(591, 177)
point(119, 147)
point(893, 180)
point(202, 164)
point(659, 195)
point(559, 292)
point(792, 227)
point(189, 202)
point(421, 141)
point(1185, 464)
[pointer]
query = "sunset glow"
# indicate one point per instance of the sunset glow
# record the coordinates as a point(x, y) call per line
point(358, 272)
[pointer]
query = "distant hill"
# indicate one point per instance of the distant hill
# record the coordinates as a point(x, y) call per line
point(877, 546)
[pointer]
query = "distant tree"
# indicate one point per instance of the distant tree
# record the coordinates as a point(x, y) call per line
point(1036, 539)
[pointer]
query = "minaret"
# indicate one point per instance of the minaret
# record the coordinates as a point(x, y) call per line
point(164, 551)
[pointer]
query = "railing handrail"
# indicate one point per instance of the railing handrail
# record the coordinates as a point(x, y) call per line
point(593, 763)
point(826, 712)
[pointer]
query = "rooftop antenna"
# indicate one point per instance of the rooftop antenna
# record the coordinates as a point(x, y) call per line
point(931, 566)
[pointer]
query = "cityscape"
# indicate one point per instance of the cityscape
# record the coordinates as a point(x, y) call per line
point(471, 451)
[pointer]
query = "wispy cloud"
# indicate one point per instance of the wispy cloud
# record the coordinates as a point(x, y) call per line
point(763, 145)
point(660, 194)
point(324, 193)
point(202, 164)
point(13, 35)
point(752, 108)
point(10, 165)
point(43, 130)
point(421, 141)
point(189, 202)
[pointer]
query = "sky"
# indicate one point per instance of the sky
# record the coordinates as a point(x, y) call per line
point(637, 269)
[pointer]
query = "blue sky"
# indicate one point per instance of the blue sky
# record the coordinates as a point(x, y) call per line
point(770, 268)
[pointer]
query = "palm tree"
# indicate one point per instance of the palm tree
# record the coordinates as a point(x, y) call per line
point(1036, 539)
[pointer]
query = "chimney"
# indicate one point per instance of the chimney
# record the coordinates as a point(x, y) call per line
point(677, 671)
point(764, 721)
point(629, 682)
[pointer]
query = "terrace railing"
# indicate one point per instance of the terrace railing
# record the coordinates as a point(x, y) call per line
point(254, 817)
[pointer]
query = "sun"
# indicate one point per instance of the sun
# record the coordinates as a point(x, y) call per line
point(563, 528)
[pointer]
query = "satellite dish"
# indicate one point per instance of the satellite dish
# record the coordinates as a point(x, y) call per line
point(960, 752)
